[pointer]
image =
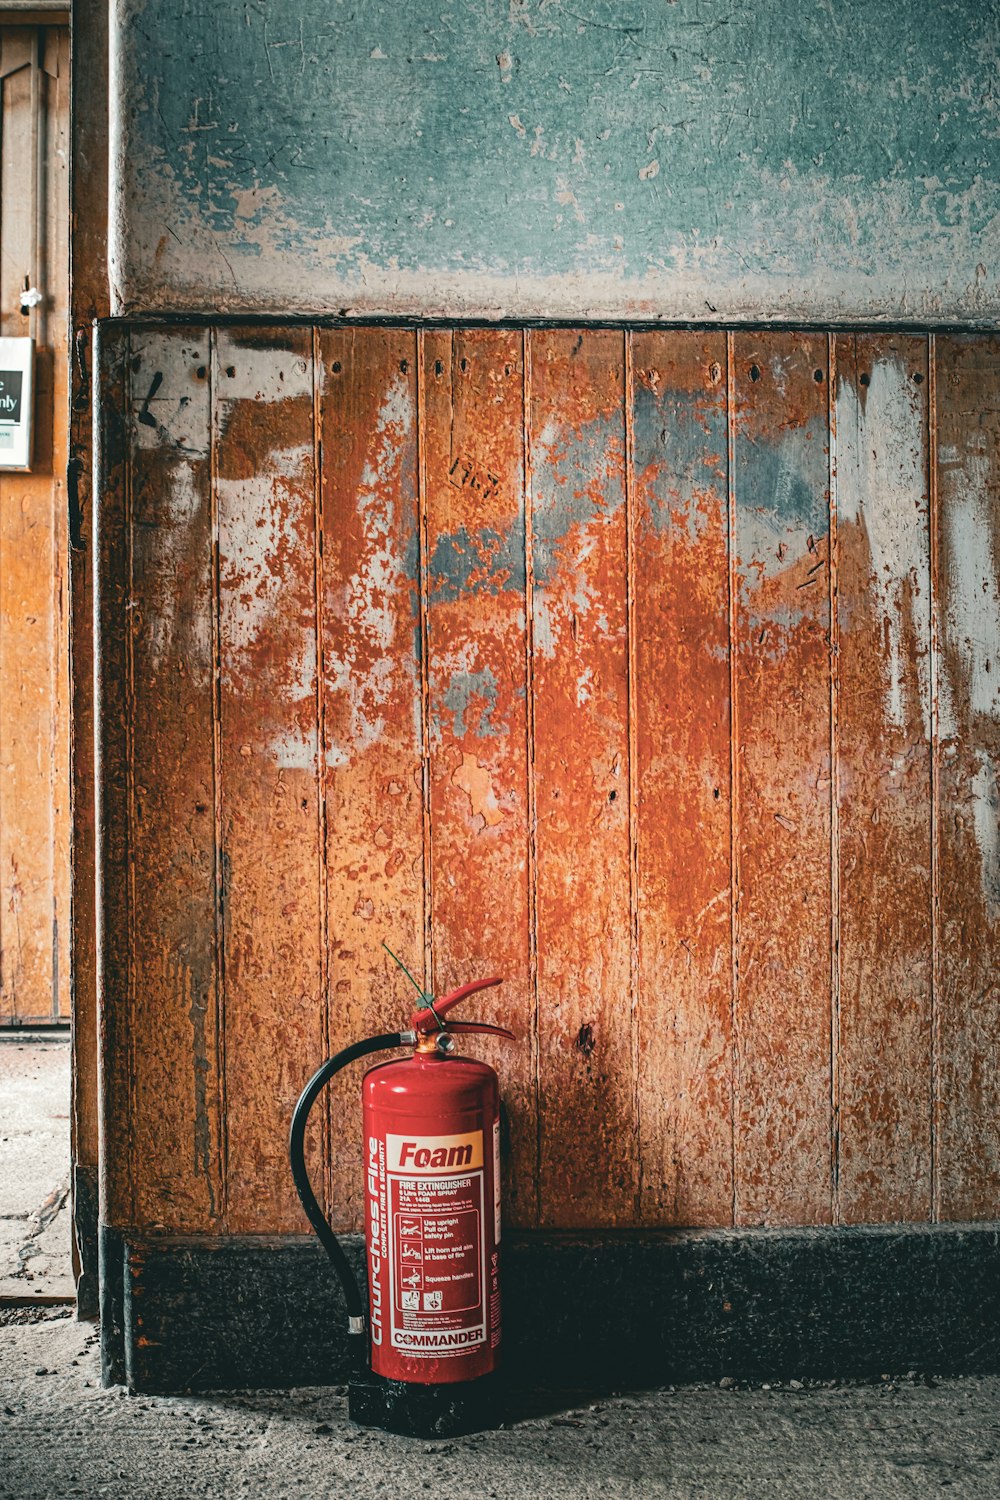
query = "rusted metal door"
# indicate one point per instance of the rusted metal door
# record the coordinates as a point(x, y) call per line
point(34, 717)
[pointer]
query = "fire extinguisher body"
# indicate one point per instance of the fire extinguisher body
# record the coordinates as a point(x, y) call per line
point(432, 1218)
point(424, 1356)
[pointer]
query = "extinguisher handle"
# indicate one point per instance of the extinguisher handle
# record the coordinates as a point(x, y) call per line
point(429, 1019)
point(482, 1026)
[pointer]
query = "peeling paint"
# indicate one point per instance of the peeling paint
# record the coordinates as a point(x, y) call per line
point(475, 779)
point(683, 435)
point(973, 631)
point(884, 491)
point(667, 165)
point(367, 599)
point(967, 372)
point(986, 815)
point(258, 529)
point(173, 632)
point(781, 545)
point(700, 806)
point(485, 562)
point(571, 490)
point(467, 691)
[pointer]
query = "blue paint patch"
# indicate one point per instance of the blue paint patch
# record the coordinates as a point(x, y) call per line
point(573, 486)
point(782, 619)
point(464, 693)
point(786, 481)
point(772, 483)
point(683, 435)
point(487, 562)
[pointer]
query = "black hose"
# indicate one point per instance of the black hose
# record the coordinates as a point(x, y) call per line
point(296, 1152)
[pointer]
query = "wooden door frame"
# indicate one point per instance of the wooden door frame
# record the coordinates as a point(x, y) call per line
point(89, 301)
point(34, 670)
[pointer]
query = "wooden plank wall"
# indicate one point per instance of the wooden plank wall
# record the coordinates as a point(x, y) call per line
point(658, 671)
point(34, 605)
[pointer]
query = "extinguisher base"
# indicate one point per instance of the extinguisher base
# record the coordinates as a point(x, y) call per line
point(424, 1411)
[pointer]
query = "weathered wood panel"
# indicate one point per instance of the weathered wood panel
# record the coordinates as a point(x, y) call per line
point(473, 453)
point(967, 998)
point(588, 1150)
point(174, 1028)
point(883, 747)
point(584, 737)
point(681, 713)
point(54, 330)
point(265, 482)
point(372, 708)
point(114, 761)
point(781, 812)
point(34, 643)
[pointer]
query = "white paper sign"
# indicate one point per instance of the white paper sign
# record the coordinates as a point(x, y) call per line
point(17, 367)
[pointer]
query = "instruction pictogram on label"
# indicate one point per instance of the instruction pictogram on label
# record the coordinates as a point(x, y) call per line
point(436, 1264)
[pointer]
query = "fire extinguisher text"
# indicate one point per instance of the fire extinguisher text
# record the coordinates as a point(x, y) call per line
point(375, 1238)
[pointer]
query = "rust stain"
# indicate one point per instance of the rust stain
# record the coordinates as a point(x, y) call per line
point(784, 1124)
point(478, 702)
point(176, 1079)
point(967, 988)
point(883, 772)
point(372, 711)
point(265, 487)
point(681, 709)
point(577, 425)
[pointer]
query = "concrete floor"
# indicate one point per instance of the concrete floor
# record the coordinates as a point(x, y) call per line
point(35, 1209)
point(61, 1434)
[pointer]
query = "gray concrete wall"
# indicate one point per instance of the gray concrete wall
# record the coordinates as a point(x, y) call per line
point(702, 160)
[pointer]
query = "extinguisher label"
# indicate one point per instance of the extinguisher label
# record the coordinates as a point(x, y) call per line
point(436, 1262)
point(433, 1153)
point(496, 1181)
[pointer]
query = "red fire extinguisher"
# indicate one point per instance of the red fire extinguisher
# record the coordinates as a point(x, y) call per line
point(431, 1123)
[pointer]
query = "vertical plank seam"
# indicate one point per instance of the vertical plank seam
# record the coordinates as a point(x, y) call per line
point(532, 811)
point(35, 160)
point(212, 1170)
point(48, 266)
point(6, 986)
point(427, 882)
point(4, 991)
point(935, 772)
point(633, 815)
point(56, 272)
point(220, 895)
point(834, 607)
point(56, 615)
point(128, 498)
point(322, 871)
point(734, 801)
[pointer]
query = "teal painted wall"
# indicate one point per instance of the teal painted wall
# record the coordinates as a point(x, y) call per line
point(701, 159)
